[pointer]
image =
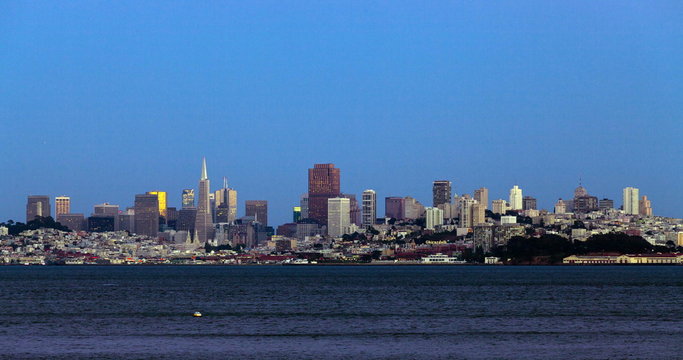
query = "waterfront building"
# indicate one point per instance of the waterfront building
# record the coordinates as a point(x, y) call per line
point(62, 206)
point(323, 184)
point(441, 192)
point(369, 211)
point(338, 215)
point(631, 201)
point(204, 218)
point(37, 205)
point(394, 207)
point(516, 198)
point(482, 197)
point(188, 198)
point(529, 203)
point(146, 214)
point(433, 218)
point(258, 209)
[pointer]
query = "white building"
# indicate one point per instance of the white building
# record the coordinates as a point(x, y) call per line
point(369, 207)
point(560, 207)
point(500, 206)
point(516, 198)
point(434, 217)
point(631, 200)
point(338, 216)
point(508, 219)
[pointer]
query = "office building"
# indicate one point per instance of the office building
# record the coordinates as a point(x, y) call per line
point(226, 203)
point(187, 218)
point(478, 213)
point(296, 214)
point(529, 203)
point(645, 206)
point(394, 207)
point(146, 214)
point(369, 204)
point(107, 210)
point(188, 198)
point(413, 209)
point(303, 203)
point(516, 198)
point(499, 206)
point(37, 205)
point(482, 197)
point(161, 195)
point(606, 204)
point(441, 192)
point(62, 206)
point(631, 201)
point(338, 216)
point(75, 222)
point(354, 209)
point(258, 209)
point(433, 218)
point(204, 218)
point(323, 184)
point(465, 210)
point(102, 223)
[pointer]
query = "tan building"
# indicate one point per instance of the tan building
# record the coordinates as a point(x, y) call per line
point(482, 197)
point(62, 206)
point(499, 206)
point(644, 206)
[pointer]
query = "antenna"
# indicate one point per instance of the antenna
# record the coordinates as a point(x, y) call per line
point(225, 182)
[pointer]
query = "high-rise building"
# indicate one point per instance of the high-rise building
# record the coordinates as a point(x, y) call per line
point(75, 222)
point(433, 218)
point(516, 198)
point(369, 201)
point(482, 197)
point(465, 206)
point(303, 202)
point(323, 183)
point(631, 201)
point(441, 192)
point(338, 215)
point(560, 207)
point(605, 204)
point(107, 210)
point(258, 209)
point(187, 217)
point(394, 207)
point(478, 213)
point(354, 209)
point(146, 214)
point(529, 203)
point(499, 206)
point(161, 195)
point(645, 207)
point(296, 214)
point(226, 203)
point(413, 209)
point(37, 205)
point(204, 218)
point(188, 198)
point(584, 202)
point(62, 206)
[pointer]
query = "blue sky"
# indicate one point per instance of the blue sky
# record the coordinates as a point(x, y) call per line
point(103, 100)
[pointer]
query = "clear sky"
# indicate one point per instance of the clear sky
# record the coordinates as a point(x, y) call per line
point(102, 100)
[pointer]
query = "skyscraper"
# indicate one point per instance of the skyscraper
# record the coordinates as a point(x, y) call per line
point(62, 206)
point(499, 206)
point(258, 209)
point(441, 192)
point(413, 209)
point(323, 184)
point(369, 204)
point(338, 215)
point(161, 195)
point(645, 207)
point(203, 220)
point(482, 197)
point(354, 209)
point(631, 201)
point(529, 203)
point(296, 214)
point(394, 207)
point(465, 206)
point(37, 205)
point(605, 204)
point(516, 198)
point(108, 210)
point(226, 203)
point(146, 214)
point(303, 202)
point(188, 198)
point(478, 213)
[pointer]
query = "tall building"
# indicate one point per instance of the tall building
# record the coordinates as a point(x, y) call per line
point(226, 203)
point(516, 198)
point(161, 195)
point(394, 207)
point(478, 213)
point(584, 202)
point(108, 210)
point(187, 217)
point(631, 201)
point(465, 205)
point(303, 202)
point(37, 205)
point(605, 204)
point(433, 218)
point(258, 209)
point(645, 207)
point(146, 214)
point(75, 222)
point(482, 197)
point(529, 203)
point(499, 206)
point(369, 204)
point(323, 184)
point(204, 219)
point(354, 209)
point(338, 215)
point(413, 209)
point(296, 214)
point(188, 198)
point(441, 192)
point(62, 206)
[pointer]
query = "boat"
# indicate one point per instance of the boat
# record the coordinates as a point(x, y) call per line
point(197, 314)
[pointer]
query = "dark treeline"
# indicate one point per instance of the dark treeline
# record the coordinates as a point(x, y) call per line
point(47, 222)
point(551, 249)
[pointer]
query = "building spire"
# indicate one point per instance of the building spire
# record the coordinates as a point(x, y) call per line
point(204, 175)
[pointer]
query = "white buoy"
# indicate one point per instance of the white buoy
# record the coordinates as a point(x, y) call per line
point(197, 314)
